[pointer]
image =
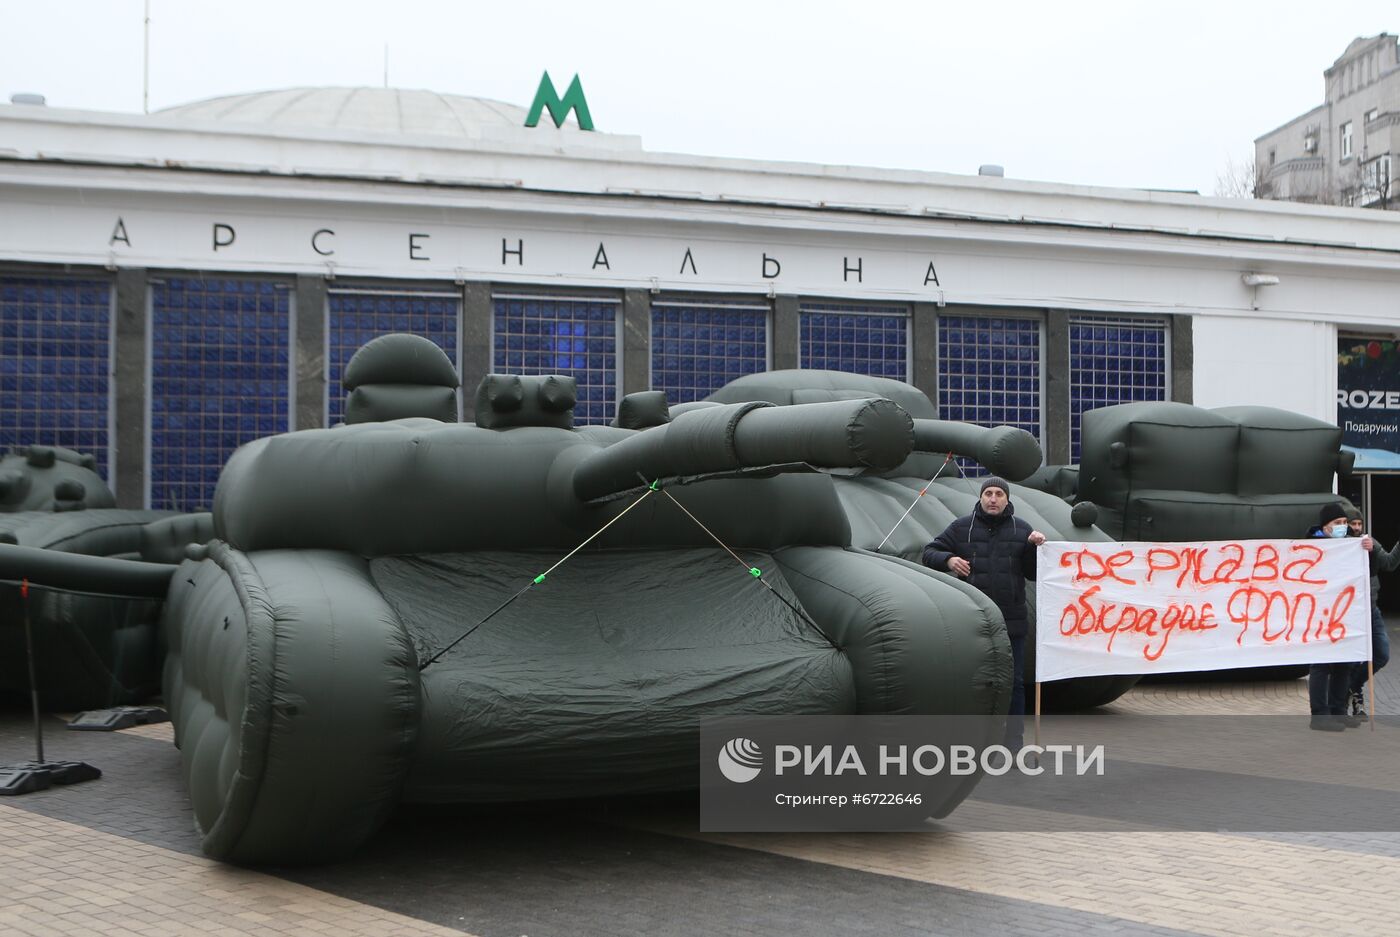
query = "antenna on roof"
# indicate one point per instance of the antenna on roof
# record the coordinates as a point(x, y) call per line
point(146, 64)
point(386, 64)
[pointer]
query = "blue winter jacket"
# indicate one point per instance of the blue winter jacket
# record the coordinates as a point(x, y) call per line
point(1002, 560)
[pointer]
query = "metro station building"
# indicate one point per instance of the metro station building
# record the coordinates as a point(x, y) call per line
point(173, 285)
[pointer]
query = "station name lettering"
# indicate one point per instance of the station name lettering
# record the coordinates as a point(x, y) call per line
point(418, 247)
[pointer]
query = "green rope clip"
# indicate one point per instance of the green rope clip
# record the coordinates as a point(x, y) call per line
point(654, 486)
point(755, 572)
point(539, 579)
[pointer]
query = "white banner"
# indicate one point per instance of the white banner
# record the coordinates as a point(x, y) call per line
point(1122, 608)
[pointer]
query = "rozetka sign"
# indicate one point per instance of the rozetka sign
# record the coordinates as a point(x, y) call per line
point(1123, 608)
point(1368, 400)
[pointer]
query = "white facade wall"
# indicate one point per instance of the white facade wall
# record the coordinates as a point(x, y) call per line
point(90, 191)
point(107, 217)
point(1250, 360)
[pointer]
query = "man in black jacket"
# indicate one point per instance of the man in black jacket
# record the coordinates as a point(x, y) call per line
point(995, 551)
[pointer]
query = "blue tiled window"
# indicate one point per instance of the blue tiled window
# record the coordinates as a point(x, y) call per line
point(561, 335)
point(860, 339)
point(989, 373)
point(354, 318)
point(219, 378)
point(1114, 360)
point(699, 346)
point(55, 350)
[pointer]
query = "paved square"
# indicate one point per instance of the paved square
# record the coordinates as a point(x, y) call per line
point(119, 856)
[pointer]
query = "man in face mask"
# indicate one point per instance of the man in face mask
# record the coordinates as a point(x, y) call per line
point(1329, 685)
point(1381, 562)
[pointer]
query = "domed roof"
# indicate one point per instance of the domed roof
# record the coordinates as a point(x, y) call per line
point(394, 111)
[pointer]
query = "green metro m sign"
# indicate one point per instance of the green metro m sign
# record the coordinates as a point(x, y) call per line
point(547, 97)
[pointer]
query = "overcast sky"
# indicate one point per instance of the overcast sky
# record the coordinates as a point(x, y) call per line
point(1156, 95)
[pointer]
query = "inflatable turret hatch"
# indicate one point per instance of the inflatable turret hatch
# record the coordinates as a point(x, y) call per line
point(397, 376)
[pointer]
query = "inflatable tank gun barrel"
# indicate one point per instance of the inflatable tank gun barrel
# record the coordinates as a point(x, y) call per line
point(731, 439)
point(1007, 451)
point(75, 572)
point(164, 543)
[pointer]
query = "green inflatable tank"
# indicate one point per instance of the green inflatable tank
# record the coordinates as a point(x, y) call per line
point(328, 658)
point(93, 616)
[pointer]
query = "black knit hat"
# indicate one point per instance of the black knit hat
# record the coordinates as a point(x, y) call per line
point(1331, 512)
point(994, 482)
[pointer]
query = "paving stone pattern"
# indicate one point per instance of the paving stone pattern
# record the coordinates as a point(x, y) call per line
point(120, 856)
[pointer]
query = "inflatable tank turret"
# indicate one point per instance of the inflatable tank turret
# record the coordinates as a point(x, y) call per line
point(51, 478)
point(878, 504)
point(1171, 471)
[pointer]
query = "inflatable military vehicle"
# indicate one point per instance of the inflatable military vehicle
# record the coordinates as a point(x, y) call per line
point(96, 642)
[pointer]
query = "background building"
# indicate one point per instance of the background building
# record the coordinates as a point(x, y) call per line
point(175, 284)
point(1340, 152)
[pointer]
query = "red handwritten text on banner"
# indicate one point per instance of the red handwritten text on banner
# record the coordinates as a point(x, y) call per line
point(1113, 608)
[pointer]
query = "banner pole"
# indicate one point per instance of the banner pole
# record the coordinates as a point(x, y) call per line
point(33, 681)
point(1371, 682)
point(1038, 713)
